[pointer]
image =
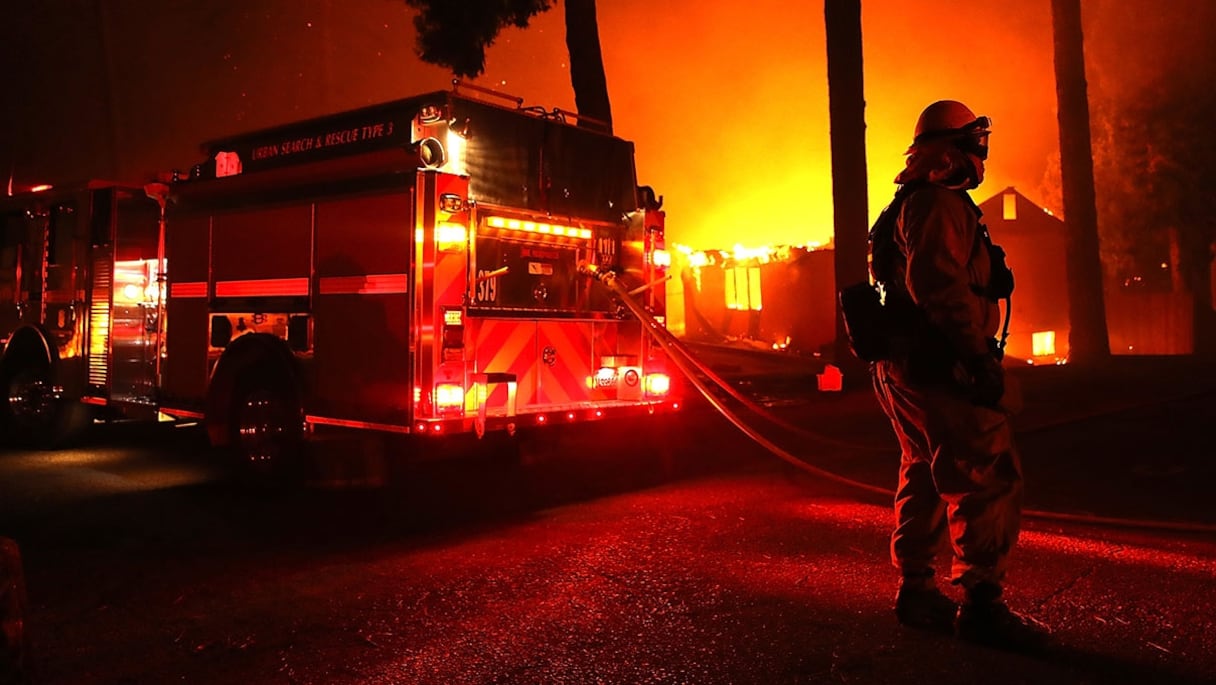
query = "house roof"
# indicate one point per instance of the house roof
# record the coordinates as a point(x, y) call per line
point(1027, 215)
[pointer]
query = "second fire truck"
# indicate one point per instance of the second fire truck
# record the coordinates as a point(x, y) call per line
point(418, 267)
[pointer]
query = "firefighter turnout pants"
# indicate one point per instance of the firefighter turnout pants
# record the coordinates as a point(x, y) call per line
point(959, 474)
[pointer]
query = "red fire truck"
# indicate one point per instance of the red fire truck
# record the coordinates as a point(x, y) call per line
point(417, 267)
point(76, 263)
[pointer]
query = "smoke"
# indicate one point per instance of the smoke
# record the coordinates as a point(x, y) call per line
point(726, 101)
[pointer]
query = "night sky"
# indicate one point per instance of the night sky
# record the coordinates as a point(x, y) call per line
point(126, 88)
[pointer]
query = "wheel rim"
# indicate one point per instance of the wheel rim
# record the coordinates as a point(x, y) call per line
point(263, 426)
point(31, 399)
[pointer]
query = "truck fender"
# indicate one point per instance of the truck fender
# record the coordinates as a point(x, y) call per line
point(29, 344)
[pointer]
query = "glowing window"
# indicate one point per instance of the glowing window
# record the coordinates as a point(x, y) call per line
point(743, 288)
point(753, 289)
point(731, 289)
point(1043, 343)
point(1010, 206)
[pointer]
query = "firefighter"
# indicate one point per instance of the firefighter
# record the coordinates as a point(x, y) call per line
point(942, 386)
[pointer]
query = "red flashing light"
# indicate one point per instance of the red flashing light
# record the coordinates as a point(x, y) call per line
point(658, 384)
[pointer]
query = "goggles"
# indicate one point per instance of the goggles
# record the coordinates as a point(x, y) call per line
point(975, 143)
point(972, 138)
point(980, 124)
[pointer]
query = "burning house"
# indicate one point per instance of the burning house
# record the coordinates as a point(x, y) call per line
point(1140, 320)
point(784, 297)
point(1033, 240)
point(771, 297)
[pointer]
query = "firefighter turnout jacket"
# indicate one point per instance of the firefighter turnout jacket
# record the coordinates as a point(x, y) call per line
point(944, 268)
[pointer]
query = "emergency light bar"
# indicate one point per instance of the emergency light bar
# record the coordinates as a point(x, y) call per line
point(541, 228)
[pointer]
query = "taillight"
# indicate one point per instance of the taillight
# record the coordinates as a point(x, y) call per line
point(449, 397)
point(658, 384)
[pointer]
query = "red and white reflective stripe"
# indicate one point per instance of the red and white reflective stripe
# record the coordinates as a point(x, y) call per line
point(191, 289)
point(182, 413)
point(347, 423)
point(265, 287)
point(99, 401)
point(368, 284)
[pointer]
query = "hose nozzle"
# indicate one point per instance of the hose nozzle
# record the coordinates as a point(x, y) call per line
point(589, 269)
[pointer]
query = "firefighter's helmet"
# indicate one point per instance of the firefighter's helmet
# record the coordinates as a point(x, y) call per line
point(951, 119)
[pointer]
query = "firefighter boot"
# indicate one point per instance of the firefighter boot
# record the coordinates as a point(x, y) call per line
point(985, 619)
point(925, 608)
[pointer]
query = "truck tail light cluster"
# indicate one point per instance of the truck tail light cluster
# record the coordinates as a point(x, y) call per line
point(629, 381)
point(449, 397)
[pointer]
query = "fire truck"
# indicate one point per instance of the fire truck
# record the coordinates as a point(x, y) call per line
point(419, 267)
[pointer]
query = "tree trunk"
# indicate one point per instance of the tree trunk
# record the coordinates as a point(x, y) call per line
point(846, 110)
point(1205, 308)
point(587, 64)
point(1087, 338)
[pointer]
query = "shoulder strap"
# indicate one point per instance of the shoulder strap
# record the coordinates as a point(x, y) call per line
point(883, 250)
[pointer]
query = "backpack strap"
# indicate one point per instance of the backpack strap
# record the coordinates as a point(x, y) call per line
point(882, 234)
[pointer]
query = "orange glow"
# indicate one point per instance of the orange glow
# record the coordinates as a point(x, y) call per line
point(750, 120)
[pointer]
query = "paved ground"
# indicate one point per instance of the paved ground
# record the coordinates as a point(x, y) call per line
point(684, 554)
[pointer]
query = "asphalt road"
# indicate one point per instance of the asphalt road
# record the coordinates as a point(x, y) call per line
point(680, 552)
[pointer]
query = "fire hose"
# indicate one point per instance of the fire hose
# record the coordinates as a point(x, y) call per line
point(693, 370)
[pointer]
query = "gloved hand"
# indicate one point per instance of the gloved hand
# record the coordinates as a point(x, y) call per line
point(986, 380)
